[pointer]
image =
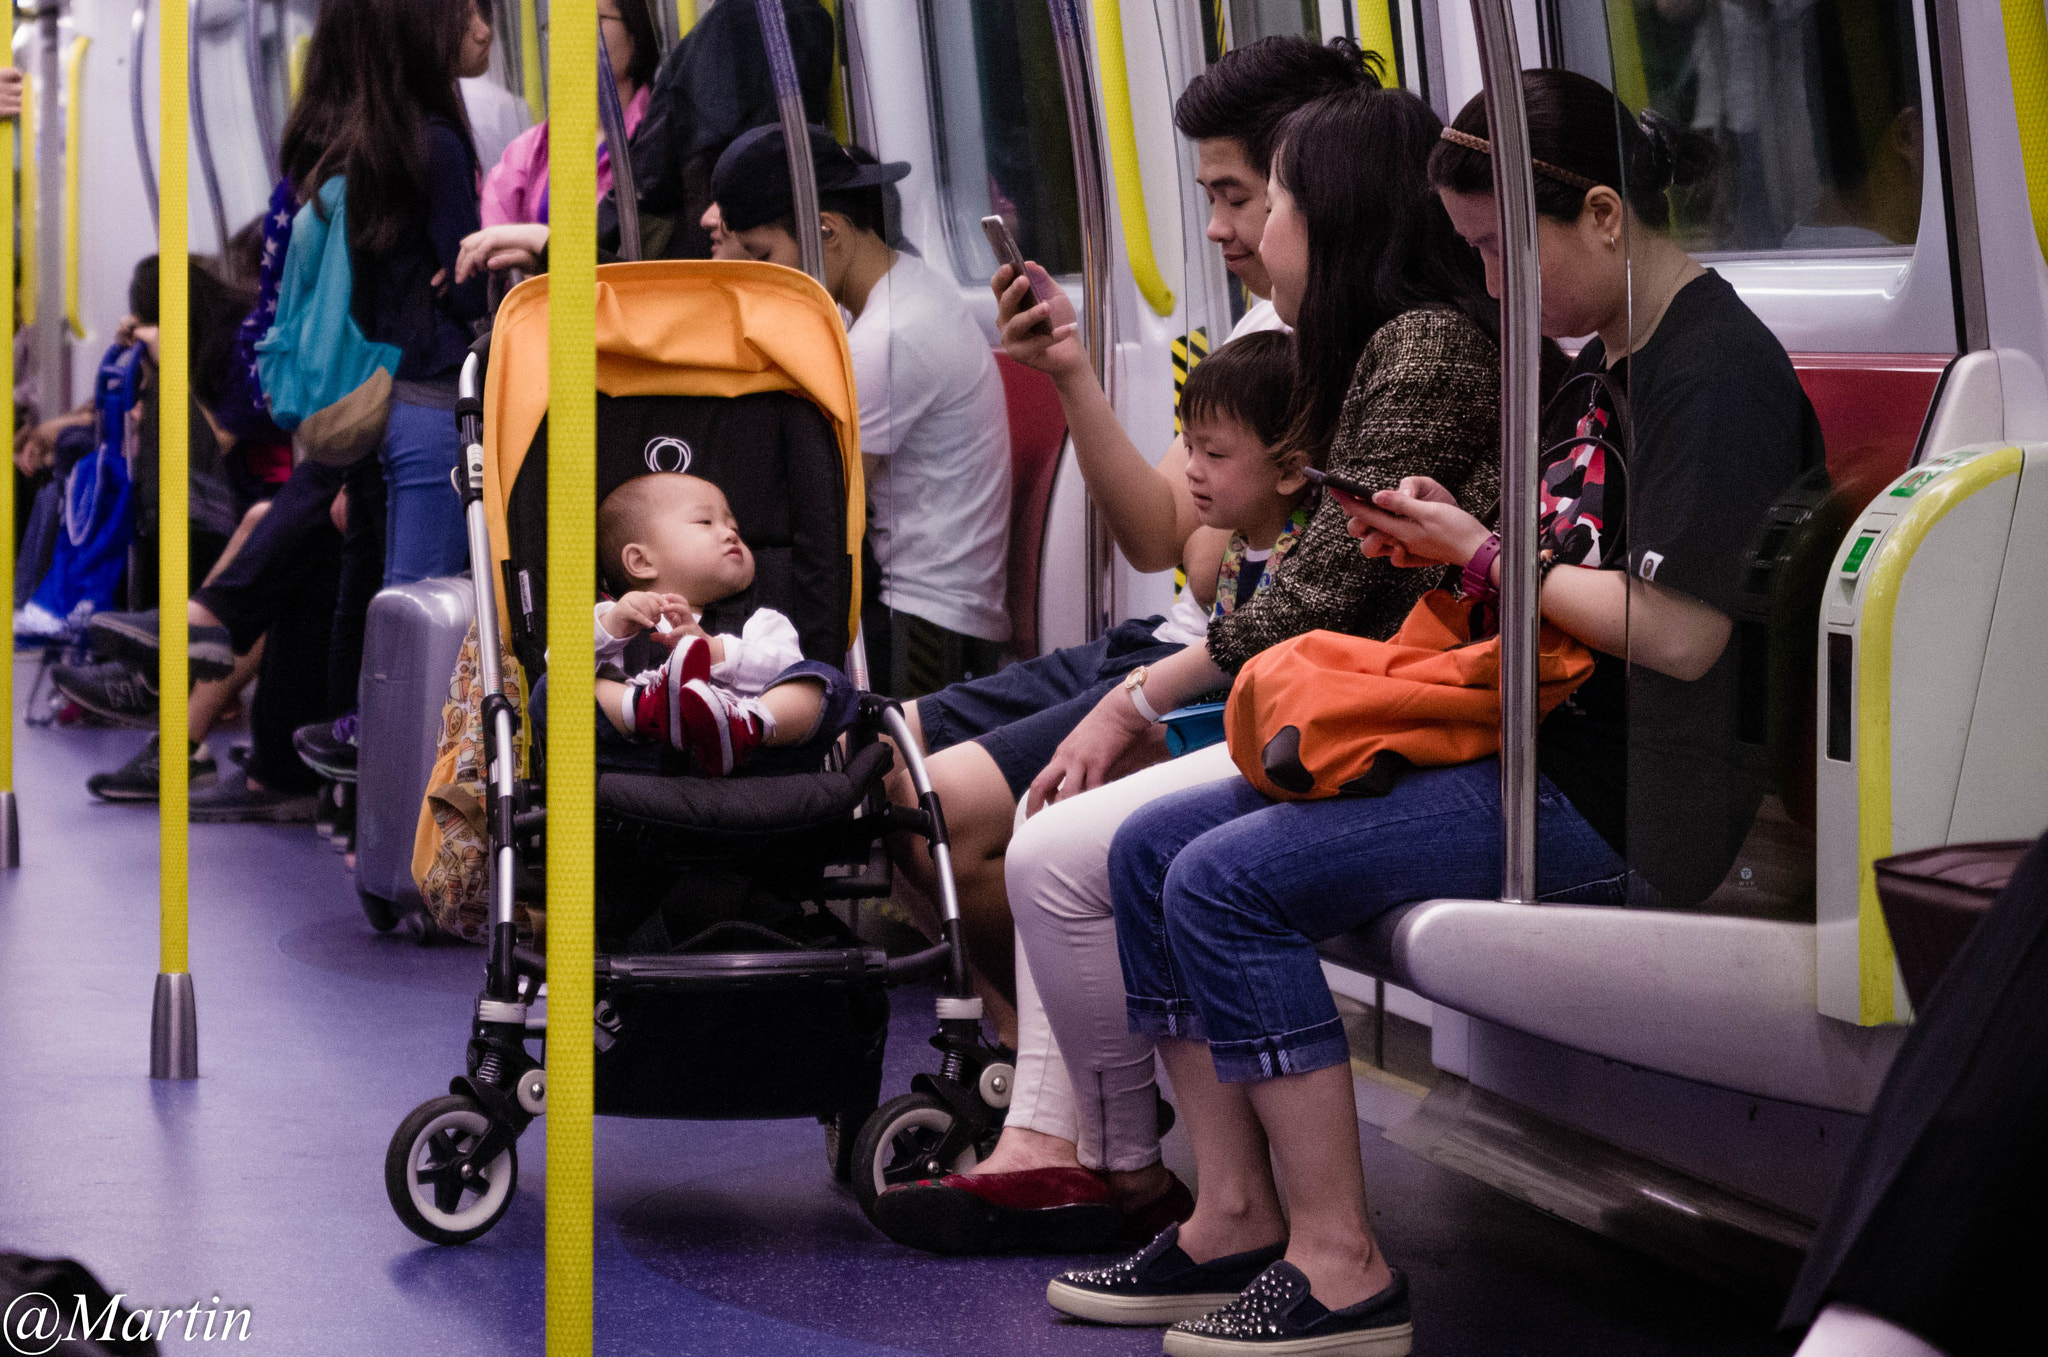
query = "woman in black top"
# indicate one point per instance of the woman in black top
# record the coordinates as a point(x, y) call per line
point(1220, 895)
point(381, 107)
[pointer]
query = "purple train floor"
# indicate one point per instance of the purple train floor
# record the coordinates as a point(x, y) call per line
point(261, 1182)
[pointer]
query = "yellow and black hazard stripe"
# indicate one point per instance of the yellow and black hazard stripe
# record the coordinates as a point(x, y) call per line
point(1188, 350)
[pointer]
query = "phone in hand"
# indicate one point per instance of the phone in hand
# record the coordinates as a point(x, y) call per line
point(1330, 480)
point(1005, 245)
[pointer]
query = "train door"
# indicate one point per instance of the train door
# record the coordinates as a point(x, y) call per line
point(1852, 206)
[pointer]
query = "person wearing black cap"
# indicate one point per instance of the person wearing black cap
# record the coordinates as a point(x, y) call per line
point(934, 428)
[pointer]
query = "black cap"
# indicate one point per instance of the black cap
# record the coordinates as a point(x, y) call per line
point(750, 183)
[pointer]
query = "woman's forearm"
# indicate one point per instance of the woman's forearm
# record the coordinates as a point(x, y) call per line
point(1180, 679)
point(1138, 502)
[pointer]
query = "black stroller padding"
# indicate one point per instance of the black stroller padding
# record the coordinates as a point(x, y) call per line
point(737, 813)
point(774, 456)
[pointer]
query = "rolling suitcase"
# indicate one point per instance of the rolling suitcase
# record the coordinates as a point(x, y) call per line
point(410, 646)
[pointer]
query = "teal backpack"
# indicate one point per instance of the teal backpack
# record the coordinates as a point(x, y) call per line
point(325, 383)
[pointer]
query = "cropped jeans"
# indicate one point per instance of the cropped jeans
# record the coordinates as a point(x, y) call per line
point(1221, 896)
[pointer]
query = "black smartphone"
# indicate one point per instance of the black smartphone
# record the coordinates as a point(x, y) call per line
point(1329, 480)
point(1005, 245)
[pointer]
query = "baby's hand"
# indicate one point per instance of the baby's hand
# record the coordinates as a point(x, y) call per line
point(634, 613)
point(680, 621)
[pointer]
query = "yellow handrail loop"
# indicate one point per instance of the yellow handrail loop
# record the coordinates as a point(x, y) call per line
point(1123, 154)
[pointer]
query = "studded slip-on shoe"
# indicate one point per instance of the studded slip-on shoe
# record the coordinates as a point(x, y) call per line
point(1159, 1284)
point(1277, 1317)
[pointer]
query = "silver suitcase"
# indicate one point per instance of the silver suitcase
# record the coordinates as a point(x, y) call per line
point(410, 646)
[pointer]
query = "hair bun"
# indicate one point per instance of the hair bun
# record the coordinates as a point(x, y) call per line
point(1677, 155)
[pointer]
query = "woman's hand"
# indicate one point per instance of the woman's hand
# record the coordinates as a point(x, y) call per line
point(10, 92)
point(1059, 354)
point(515, 245)
point(35, 447)
point(1089, 757)
point(1419, 523)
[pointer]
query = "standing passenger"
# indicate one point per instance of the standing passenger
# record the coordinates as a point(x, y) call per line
point(934, 426)
point(381, 108)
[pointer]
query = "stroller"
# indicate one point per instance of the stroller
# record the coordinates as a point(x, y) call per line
point(727, 985)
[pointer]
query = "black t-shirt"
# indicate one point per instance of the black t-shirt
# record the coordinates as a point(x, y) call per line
point(1718, 429)
point(395, 301)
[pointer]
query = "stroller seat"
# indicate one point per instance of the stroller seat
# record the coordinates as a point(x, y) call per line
point(733, 817)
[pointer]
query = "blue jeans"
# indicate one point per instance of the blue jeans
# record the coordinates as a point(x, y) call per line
point(1221, 897)
point(423, 532)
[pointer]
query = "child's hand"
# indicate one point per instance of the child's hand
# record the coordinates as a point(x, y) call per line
point(677, 621)
point(634, 613)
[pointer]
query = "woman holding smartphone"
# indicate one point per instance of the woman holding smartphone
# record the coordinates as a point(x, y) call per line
point(1221, 895)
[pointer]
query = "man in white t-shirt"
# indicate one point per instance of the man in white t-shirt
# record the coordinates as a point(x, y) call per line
point(934, 426)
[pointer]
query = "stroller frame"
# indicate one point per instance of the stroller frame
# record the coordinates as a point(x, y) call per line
point(451, 1166)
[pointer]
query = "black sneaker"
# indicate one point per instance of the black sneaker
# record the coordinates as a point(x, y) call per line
point(111, 691)
point(233, 801)
point(329, 747)
point(1277, 1316)
point(1159, 1285)
point(133, 637)
point(136, 780)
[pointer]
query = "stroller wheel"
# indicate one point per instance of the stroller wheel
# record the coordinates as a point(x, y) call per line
point(425, 1188)
point(383, 915)
point(896, 1146)
point(842, 1134)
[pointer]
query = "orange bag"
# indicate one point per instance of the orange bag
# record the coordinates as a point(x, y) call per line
point(1327, 714)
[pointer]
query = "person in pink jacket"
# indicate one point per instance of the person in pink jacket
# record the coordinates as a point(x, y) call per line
point(516, 190)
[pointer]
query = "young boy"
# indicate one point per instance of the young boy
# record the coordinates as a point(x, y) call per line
point(668, 543)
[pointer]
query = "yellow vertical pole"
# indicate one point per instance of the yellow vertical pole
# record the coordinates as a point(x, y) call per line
point(10, 830)
point(1376, 34)
point(74, 157)
point(529, 60)
point(686, 17)
point(572, 584)
point(174, 1038)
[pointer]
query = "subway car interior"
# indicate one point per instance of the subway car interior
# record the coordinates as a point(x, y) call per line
point(1178, 750)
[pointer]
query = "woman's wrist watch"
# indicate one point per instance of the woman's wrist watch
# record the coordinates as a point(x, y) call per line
point(1134, 684)
point(1477, 581)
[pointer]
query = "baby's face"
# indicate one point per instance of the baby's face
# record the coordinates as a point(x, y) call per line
point(692, 543)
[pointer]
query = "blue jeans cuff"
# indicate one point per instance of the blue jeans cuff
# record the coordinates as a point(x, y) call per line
point(1158, 1018)
point(1262, 1058)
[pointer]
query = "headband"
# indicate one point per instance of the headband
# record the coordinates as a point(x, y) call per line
point(1542, 167)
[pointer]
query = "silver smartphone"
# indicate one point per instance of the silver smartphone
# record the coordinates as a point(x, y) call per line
point(1005, 245)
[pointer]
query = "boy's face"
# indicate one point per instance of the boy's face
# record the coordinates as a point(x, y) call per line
point(1234, 477)
point(691, 544)
point(1237, 208)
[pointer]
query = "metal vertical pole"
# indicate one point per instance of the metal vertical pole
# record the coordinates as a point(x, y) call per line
point(138, 115)
point(174, 1022)
point(625, 188)
point(267, 133)
point(572, 583)
point(10, 822)
point(1068, 32)
point(796, 136)
point(1514, 188)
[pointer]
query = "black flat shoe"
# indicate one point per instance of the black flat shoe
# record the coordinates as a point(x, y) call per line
point(1159, 1284)
point(1277, 1317)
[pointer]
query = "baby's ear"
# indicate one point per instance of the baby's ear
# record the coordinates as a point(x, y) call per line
point(637, 562)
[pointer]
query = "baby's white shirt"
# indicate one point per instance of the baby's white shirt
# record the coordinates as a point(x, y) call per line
point(766, 646)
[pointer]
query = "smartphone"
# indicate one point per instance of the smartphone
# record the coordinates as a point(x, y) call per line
point(1343, 484)
point(1005, 245)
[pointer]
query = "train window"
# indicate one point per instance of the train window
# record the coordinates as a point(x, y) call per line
point(1815, 104)
point(999, 128)
point(1251, 20)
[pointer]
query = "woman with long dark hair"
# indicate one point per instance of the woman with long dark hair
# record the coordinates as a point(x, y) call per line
point(381, 108)
point(1221, 894)
point(1397, 374)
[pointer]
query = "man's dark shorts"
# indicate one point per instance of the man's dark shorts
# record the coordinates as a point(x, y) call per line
point(1021, 713)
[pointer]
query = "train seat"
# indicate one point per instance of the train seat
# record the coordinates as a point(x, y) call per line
point(1038, 431)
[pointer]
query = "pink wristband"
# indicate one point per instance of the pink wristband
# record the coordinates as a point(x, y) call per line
point(1476, 584)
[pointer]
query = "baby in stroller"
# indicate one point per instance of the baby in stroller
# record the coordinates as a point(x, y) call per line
point(670, 548)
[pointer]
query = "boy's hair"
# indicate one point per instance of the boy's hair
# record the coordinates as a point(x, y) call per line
point(1250, 380)
point(621, 520)
point(1250, 91)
